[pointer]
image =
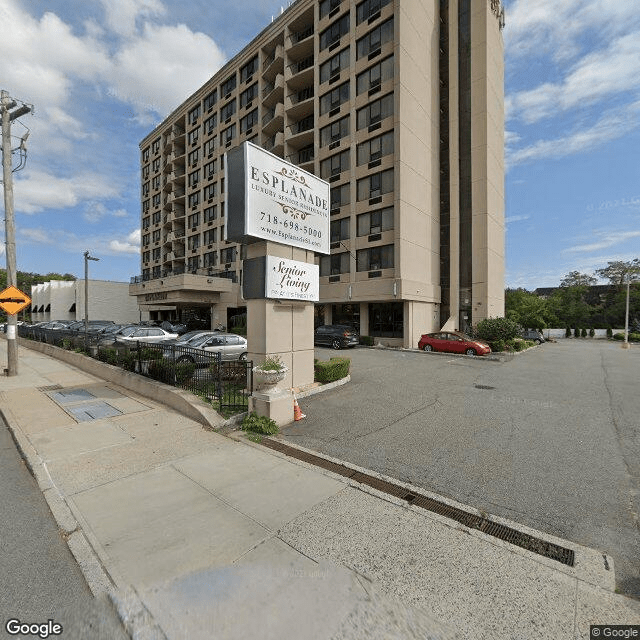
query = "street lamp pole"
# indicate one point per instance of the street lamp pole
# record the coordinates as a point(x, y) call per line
point(625, 344)
point(87, 257)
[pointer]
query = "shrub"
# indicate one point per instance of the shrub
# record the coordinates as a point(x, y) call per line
point(592, 332)
point(618, 336)
point(331, 370)
point(492, 329)
point(271, 363)
point(367, 341)
point(259, 424)
point(583, 333)
point(161, 371)
point(634, 337)
point(147, 353)
point(518, 345)
point(609, 332)
point(576, 332)
point(567, 333)
point(184, 371)
point(497, 346)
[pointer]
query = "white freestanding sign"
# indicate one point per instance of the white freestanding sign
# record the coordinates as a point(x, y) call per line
point(291, 280)
point(275, 200)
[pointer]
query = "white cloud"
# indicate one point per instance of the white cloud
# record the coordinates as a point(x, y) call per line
point(95, 211)
point(142, 68)
point(122, 15)
point(597, 76)
point(607, 239)
point(510, 219)
point(37, 190)
point(613, 124)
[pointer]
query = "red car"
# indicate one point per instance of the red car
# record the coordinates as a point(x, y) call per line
point(453, 342)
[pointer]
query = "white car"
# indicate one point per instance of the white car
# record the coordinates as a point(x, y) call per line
point(146, 334)
point(230, 345)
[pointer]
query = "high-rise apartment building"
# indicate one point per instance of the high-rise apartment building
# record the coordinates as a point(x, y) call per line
point(399, 105)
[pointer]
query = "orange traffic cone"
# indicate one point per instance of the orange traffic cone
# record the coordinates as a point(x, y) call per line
point(297, 414)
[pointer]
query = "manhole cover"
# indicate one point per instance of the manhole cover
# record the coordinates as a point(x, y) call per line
point(93, 411)
point(73, 395)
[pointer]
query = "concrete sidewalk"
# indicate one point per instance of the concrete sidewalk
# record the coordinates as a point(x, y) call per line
point(199, 535)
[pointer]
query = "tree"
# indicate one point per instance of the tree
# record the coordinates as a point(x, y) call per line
point(527, 309)
point(616, 272)
point(577, 279)
point(569, 307)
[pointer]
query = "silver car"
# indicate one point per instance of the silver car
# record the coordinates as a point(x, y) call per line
point(230, 345)
point(145, 334)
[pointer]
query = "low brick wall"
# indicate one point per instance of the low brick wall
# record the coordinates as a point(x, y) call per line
point(179, 400)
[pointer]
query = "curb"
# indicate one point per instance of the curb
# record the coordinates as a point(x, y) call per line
point(135, 618)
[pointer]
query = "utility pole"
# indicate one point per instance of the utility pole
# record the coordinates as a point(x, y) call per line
point(87, 257)
point(6, 105)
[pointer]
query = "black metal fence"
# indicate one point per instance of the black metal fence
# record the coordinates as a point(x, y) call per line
point(226, 384)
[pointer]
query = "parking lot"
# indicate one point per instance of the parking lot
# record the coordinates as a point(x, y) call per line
point(549, 439)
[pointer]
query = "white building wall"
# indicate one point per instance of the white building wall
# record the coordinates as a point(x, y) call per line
point(107, 301)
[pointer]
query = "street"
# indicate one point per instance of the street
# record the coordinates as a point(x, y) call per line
point(548, 439)
point(40, 577)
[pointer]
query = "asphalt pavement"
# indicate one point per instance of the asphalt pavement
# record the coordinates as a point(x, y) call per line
point(40, 577)
point(549, 438)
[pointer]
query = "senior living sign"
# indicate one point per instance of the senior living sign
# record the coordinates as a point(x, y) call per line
point(270, 199)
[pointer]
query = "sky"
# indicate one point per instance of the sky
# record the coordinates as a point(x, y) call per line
point(102, 74)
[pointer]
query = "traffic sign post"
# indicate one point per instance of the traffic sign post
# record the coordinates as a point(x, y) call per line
point(12, 301)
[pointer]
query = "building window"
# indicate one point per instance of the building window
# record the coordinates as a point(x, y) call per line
point(327, 6)
point(228, 86)
point(156, 273)
point(155, 146)
point(210, 236)
point(210, 124)
point(386, 319)
point(375, 39)
point(193, 157)
point(193, 242)
point(340, 195)
point(210, 146)
point(375, 258)
point(145, 155)
point(156, 217)
point(335, 165)
point(248, 95)
point(228, 135)
point(375, 76)
point(340, 230)
point(145, 189)
point(193, 263)
point(155, 165)
point(146, 222)
point(193, 220)
point(247, 71)
point(146, 256)
point(194, 114)
point(334, 32)
point(211, 213)
point(155, 182)
point(145, 172)
point(334, 98)
point(211, 259)
point(368, 9)
point(193, 136)
point(155, 236)
point(194, 178)
point(146, 240)
point(228, 254)
point(228, 110)
point(210, 100)
point(210, 191)
point(334, 131)
point(194, 199)
point(332, 67)
point(210, 169)
point(377, 184)
point(155, 201)
point(156, 254)
point(145, 206)
point(249, 121)
point(375, 148)
point(334, 264)
point(375, 221)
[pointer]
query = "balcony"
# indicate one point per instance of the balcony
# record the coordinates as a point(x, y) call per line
point(300, 43)
point(300, 134)
point(299, 75)
point(275, 144)
point(273, 92)
point(299, 103)
point(304, 158)
point(273, 120)
point(273, 64)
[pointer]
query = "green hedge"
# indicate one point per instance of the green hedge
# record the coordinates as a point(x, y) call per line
point(494, 329)
point(331, 370)
point(367, 341)
point(633, 337)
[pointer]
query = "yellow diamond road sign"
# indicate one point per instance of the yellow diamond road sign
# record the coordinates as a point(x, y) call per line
point(12, 301)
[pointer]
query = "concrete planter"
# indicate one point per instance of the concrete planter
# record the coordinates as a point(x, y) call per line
point(269, 380)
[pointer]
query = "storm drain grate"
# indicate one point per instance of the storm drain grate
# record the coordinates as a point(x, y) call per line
point(483, 386)
point(51, 387)
point(495, 529)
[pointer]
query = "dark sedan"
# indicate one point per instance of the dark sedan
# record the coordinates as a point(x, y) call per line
point(338, 336)
point(453, 342)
